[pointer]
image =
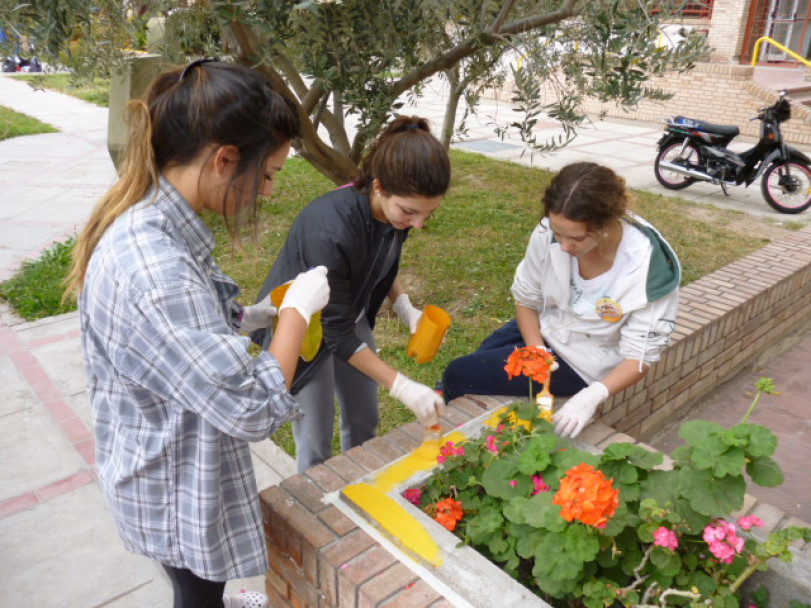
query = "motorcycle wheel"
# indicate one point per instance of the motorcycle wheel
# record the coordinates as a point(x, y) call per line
point(672, 153)
point(787, 187)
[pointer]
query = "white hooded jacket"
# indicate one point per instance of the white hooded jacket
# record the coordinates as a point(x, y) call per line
point(643, 296)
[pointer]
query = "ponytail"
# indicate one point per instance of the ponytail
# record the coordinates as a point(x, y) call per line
point(407, 160)
point(138, 174)
point(183, 112)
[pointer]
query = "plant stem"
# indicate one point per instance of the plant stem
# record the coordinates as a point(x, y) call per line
point(752, 407)
point(750, 570)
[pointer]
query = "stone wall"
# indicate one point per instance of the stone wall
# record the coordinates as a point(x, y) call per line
point(320, 557)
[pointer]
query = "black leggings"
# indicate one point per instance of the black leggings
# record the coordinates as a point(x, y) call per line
point(191, 591)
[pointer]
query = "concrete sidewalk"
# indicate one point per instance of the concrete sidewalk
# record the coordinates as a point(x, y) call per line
point(58, 546)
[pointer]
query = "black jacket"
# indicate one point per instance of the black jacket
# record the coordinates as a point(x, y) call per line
point(337, 230)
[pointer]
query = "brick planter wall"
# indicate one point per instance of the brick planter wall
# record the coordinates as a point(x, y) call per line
point(320, 558)
point(725, 319)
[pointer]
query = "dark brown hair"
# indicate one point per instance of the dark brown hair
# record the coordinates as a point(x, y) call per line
point(183, 112)
point(407, 159)
point(588, 193)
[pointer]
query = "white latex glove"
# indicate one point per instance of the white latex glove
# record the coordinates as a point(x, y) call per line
point(407, 312)
point(555, 365)
point(308, 294)
point(257, 316)
point(579, 410)
point(425, 402)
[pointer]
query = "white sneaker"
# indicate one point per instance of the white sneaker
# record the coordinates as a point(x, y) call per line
point(245, 599)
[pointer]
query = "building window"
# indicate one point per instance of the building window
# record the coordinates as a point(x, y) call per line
point(698, 10)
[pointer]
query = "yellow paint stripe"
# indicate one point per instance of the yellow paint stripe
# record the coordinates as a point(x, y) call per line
point(372, 497)
point(394, 519)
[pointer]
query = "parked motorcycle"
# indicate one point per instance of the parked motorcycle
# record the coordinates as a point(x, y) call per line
point(693, 150)
point(17, 63)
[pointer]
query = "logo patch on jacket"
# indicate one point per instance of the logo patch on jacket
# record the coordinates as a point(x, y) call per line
point(608, 309)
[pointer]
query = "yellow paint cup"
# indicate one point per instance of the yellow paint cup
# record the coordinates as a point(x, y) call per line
point(425, 342)
point(312, 338)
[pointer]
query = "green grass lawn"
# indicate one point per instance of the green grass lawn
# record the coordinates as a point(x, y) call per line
point(463, 260)
point(96, 92)
point(14, 124)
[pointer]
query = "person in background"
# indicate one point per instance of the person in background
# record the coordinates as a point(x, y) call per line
point(357, 232)
point(598, 286)
point(175, 394)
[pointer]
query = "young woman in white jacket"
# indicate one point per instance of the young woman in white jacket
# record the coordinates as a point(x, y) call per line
point(598, 286)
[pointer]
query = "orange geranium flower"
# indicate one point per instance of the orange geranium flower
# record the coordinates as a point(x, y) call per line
point(587, 496)
point(448, 512)
point(532, 361)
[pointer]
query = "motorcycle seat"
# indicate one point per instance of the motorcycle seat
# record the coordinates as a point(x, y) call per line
point(707, 127)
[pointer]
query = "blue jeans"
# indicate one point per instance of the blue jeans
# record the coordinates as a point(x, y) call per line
point(482, 372)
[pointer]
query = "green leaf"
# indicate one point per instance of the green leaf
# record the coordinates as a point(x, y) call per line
point(696, 432)
point(496, 480)
point(631, 454)
point(761, 440)
point(535, 457)
point(668, 562)
point(622, 519)
point(765, 472)
point(516, 509)
point(527, 545)
point(553, 558)
point(731, 462)
point(482, 525)
point(499, 546)
point(710, 495)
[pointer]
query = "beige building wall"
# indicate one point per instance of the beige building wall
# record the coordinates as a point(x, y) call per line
point(727, 29)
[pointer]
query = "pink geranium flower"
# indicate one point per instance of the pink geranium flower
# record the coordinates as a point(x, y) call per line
point(491, 444)
point(747, 523)
point(540, 485)
point(665, 538)
point(413, 495)
point(723, 539)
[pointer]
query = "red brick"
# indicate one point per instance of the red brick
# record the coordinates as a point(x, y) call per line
point(336, 521)
point(402, 440)
point(453, 418)
point(386, 584)
point(467, 406)
point(346, 548)
point(305, 492)
point(345, 468)
point(277, 583)
point(417, 595)
point(416, 430)
point(275, 598)
point(312, 530)
point(359, 570)
point(367, 460)
point(325, 478)
point(387, 451)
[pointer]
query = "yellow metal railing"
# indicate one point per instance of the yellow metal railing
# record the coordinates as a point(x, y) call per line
point(773, 42)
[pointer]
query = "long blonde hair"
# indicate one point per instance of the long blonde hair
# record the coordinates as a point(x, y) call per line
point(185, 110)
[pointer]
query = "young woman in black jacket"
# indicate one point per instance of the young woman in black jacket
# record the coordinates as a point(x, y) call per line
point(358, 232)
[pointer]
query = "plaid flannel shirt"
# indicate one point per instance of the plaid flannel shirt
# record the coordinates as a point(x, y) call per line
point(176, 396)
